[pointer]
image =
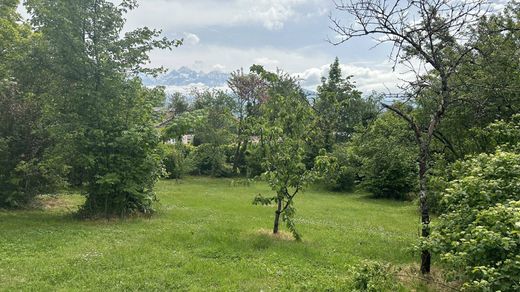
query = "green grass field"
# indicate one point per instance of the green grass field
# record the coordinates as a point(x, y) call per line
point(206, 236)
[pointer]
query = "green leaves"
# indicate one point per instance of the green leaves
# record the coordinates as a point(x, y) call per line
point(285, 129)
point(261, 200)
point(99, 114)
point(478, 233)
point(25, 170)
point(387, 155)
point(339, 108)
point(185, 123)
point(374, 277)
point(337, 169)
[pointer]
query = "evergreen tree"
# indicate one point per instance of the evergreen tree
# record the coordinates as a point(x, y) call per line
point(339, 108)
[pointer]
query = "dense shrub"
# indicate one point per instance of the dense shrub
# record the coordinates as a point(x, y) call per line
point(229, 152)
point(253, 158)
point(123, 184)
point(175, 160)
point(440, 173)
point(387, 155)
point(374, 277)
point(504, 135)
point(208, 159)
point(25, 169)
point(478, 234)
point(336, 170)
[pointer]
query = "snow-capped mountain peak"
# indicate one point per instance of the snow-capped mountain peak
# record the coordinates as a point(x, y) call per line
point(185, 76)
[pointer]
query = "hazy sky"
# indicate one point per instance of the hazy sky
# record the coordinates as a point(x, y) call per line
point(289, 34)
point(292, 35)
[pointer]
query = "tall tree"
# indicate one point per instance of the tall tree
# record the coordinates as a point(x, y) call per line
point(433, 34)
point(98, 108)
point(24, 170)
point(334, 107)
point(488, 87)
point(250, 91)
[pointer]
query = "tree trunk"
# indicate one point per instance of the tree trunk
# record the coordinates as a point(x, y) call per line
point(277, 216)
point(425, 214)
point(239, 144)
point(239, 154)
point(328, 143)
point(237, 157)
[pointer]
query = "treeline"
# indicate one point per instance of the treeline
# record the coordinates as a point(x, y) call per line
point(352, 139)
point(223, 133)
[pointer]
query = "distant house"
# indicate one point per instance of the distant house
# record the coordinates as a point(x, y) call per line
point(187, 139)
point(254, 140)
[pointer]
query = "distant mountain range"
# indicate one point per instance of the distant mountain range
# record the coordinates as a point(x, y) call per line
point(186, 77)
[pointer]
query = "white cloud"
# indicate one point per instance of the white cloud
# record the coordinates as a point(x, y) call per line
point(191, 39)
point(204, 16)
point(368, 78)
point(267, 62)
point(206, 56)
point(498, 5)
point(308, 66)
point(219, 67)
point(310, 78)
point(181, 14)
point(310, 63)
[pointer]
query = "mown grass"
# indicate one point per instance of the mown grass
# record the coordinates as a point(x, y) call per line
point(206, 236)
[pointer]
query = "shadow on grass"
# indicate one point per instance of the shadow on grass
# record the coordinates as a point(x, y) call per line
point(394, 203)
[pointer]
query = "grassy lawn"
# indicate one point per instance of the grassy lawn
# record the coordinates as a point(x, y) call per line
point(206, 236)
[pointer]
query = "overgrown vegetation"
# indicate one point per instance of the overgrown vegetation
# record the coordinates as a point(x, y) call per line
point(25, 170)
point(478, 230)
point(374, 277)
point(75, 116)
point(81, 114)
point(386, 155)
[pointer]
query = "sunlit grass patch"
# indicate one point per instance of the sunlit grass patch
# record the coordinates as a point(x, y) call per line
point(206, 235)
point(281, 235)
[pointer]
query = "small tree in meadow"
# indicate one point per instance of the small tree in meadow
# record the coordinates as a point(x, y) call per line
point(284, 135)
